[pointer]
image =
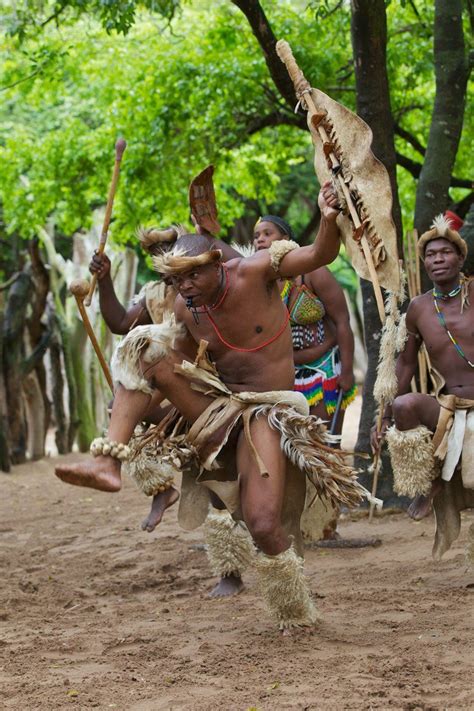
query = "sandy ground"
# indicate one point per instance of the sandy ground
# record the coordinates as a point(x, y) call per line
point(94, 613)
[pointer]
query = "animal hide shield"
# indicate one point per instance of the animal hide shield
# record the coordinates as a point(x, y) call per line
point(342, 142)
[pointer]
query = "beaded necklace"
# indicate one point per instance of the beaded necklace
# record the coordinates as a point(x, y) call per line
point(438, 295)
point(450, 295)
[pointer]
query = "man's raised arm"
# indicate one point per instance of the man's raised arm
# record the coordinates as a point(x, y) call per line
point(326, 245)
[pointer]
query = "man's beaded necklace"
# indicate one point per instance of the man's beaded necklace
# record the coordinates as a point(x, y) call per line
point(450, 295)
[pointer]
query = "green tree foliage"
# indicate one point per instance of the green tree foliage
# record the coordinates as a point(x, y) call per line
point(186, 86)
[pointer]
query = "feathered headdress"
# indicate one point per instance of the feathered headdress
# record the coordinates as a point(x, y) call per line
point(441, 229)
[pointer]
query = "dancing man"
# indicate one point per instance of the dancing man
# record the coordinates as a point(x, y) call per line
point(236, 311)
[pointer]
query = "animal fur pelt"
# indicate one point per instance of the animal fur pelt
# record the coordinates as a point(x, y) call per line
point(413, 462)
point(392, 341)
point(279, 249)
point(285, 590)
point(176, 261)
point(151, 236)
point(147, 343)
point(230, 548)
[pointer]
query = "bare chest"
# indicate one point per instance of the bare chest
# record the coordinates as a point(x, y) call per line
point(448, 334)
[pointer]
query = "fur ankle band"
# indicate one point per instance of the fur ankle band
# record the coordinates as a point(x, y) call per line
point(230, 549)
point(285, 589)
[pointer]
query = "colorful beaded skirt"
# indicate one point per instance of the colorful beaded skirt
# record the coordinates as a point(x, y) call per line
point(318, 381)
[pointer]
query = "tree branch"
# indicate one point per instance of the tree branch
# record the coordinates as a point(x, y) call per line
point(409, 138)
point(267, 41)
point(415, 169)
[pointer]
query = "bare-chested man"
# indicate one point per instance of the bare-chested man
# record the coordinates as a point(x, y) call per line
point(236, 308)
point(443, 320)
point(228, 549)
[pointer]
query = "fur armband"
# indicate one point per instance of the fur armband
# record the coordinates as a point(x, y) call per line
point(109, 448)
point(279, 249)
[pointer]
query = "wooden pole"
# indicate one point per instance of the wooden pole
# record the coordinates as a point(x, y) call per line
point(120, 146)
point(80, 288)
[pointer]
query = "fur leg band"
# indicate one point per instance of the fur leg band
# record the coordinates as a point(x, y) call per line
point(285, 589)
point(152, 471)
point(230, 549)
point(147, 343)
point(413, 463)
point(109, 448)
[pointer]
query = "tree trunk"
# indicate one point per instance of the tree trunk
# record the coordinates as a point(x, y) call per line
point(5, 463)
point(369, 42)
point(57, 383)
point(467, 231)
point(35, 415)
point(15, 316)
point(36, 328)
point(452, 72)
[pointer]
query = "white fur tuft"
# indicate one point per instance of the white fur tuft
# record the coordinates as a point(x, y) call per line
point(441, 224)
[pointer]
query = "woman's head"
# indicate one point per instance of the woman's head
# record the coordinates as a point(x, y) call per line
point(268, 229)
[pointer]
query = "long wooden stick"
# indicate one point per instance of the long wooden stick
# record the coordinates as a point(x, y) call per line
point(303, 88)
point(80, 288)
point(120, 146)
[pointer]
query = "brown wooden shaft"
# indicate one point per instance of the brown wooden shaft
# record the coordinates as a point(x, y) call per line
point(377, 462)
point(119, 149)
point(93, 339)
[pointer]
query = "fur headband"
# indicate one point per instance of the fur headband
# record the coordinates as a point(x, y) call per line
point(441, 229)
point(176, 262)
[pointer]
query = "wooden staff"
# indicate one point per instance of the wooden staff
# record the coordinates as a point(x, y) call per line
point(303, 88)
point(119, 149)
point(80, 288)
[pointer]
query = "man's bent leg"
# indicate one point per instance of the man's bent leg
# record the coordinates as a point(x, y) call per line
point(279, 569)
point(103, 471)
point(411, 451)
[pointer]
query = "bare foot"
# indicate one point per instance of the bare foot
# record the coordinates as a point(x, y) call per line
point(101, 473)
point(228, 586)
point(421, 506)
point(160, 503)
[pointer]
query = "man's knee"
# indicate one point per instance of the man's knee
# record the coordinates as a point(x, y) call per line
point(263, 526)
point(159, 373)
point(404, 407)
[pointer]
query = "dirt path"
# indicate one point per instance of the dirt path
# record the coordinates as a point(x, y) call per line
point(94, 613)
